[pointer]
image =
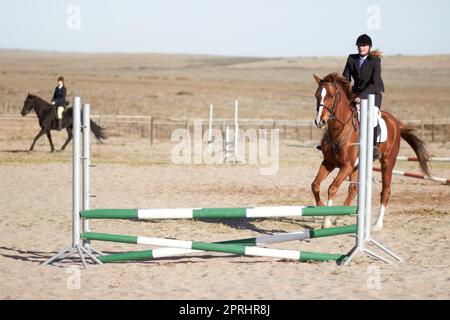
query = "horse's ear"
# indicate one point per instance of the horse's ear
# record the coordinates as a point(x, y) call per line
point(317, 78)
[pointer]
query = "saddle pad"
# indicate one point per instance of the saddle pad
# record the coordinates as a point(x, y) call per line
point(382, 137)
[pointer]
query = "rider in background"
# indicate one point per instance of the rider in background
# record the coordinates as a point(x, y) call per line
point(59, 99)
point(365, 69)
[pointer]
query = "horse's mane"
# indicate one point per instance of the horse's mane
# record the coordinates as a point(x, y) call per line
point(39, 99)
point(343, 83)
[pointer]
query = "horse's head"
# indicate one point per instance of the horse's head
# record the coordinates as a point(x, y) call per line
point(326, 101)
point(28, 105)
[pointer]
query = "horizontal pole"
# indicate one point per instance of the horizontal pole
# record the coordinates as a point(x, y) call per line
point(415, 159)
point(416, 175)
point(218, 213)
point(233, 249)
point(275, 238)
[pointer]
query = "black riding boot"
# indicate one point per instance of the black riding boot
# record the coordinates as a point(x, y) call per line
point(376, 150)
point(59, 124)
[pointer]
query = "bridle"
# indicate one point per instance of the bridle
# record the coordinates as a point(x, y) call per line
point(335, 145)
point(335, 102)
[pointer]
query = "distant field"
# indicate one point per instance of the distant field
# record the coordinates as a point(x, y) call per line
point(182, 86)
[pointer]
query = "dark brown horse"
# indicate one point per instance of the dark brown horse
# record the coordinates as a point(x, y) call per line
point(47, 121)
point(336, 111)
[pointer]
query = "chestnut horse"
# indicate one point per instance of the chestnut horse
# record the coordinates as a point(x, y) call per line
point(336, 111)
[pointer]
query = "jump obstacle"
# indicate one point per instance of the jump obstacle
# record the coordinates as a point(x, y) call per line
point(82, 235)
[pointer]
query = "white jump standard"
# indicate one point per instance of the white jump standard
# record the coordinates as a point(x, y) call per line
point(171, 247)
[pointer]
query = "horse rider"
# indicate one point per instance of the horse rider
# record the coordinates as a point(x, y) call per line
point(365, 69)
point(59, 100)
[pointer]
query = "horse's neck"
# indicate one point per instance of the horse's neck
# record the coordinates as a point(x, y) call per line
point(41, 107)
point(343, 116)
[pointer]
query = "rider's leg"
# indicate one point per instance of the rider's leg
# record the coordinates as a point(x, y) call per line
point(59, 117)
point(376, 128)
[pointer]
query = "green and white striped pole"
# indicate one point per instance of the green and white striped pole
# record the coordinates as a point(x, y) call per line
point(255, 241)
point(185, 247)
point(240, 246)
point(218, 213)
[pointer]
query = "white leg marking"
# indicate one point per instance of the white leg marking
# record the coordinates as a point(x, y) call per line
point(379, 223)
point(327, 220)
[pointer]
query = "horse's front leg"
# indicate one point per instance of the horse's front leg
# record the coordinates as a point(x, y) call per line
point(36, 139)
point(324, 170)
point(343, 173)
point(49, 136)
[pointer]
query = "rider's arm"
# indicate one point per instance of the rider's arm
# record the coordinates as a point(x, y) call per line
point(54, 96)
point(63, 98)
point(346, 72)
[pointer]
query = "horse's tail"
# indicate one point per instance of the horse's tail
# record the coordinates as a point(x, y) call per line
point(418, 146)
point(98, 131)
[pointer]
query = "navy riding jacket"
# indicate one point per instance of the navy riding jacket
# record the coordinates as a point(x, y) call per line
point(59, 96)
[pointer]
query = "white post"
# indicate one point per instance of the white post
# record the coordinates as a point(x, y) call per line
point(76, 173)
point(369, 166)
point(227, 144)
point(236, 129)
point(362, 174)
point(86, 165)
point(210, 123)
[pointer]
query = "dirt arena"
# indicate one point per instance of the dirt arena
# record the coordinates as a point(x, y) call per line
point(35, 189)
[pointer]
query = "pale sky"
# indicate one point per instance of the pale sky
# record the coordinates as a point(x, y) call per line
point(227, 27)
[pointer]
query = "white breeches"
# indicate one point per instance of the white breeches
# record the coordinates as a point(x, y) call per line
point(59, 112)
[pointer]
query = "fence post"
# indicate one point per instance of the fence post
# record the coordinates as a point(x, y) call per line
point(445, 133)
point(432, 131)
point(151, 130)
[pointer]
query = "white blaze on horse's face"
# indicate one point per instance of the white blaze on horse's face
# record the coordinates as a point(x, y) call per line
point(319, 122)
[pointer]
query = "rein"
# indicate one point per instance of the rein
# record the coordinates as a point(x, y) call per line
point(336, 145)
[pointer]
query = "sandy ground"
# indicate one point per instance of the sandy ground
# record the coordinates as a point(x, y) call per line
point(35, 189)
point(36, 205)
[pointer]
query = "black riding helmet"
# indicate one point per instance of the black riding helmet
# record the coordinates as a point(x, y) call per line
point(364, 40)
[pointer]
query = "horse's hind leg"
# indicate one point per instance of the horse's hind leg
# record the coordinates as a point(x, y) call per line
point(69, 137)
point(352, 188)
point(36, 139)
point(49, 136)
point(344, 172)
point(386, 175)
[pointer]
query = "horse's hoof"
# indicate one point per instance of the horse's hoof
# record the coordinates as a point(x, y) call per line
point(30, 151)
